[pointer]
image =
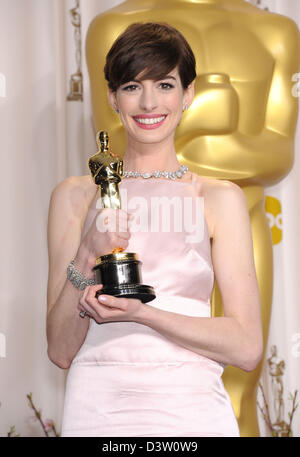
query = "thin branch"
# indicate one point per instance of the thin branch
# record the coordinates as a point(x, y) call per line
point(266, 415)
point(37, 413)
point(54, 430)
point(294, 407)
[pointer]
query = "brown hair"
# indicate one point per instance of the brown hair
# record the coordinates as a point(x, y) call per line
point(153, 47)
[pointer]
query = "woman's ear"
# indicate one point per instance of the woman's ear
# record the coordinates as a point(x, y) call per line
point(189, 94)
point(112, 99)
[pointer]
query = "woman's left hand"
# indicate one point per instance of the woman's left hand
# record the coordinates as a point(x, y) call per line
point(107, 308)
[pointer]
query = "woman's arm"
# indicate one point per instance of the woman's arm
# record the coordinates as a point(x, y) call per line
point(70, 201)
point(66, 331)
point(221, 339)
point(234, 339)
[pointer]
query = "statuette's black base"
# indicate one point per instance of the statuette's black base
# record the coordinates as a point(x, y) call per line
point(120, 274)
point(138, 291)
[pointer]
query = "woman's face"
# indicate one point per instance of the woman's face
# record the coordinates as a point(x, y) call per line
point(151, 110)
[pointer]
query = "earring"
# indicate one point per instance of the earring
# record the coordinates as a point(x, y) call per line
point(116, 110)
point(185, 108)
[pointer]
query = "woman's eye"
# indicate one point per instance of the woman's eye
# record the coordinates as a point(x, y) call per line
point(133, 87)
point(166, 86)
point(130, 88)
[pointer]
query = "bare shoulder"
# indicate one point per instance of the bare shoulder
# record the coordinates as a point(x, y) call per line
point(74, 193)
point(79, 184)
point(220, 197)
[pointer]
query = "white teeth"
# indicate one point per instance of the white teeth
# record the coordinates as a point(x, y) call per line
point(153, 120)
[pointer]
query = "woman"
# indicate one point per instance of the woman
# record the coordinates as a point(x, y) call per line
point(152, 369)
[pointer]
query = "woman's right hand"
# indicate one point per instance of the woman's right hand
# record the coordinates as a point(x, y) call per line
point(109, 230)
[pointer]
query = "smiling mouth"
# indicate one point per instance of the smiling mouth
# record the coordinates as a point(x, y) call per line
point(150, 120)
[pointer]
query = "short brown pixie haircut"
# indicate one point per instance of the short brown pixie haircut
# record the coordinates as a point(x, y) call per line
point(154, 48)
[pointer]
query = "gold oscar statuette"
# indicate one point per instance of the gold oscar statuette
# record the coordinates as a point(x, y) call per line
point(119, 272)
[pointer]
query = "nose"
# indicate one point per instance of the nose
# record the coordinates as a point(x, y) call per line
point(148, 99)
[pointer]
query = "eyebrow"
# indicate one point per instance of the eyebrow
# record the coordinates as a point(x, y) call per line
point(169, 77)
point(159, 79)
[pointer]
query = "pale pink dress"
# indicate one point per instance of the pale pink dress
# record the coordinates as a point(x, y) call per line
point(129, 380)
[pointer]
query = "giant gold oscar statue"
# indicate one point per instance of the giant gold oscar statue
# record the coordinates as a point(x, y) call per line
point(240, 126)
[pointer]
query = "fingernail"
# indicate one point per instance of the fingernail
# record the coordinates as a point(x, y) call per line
point(102, 298)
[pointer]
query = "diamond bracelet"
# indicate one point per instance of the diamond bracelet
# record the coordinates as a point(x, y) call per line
point(77, 278)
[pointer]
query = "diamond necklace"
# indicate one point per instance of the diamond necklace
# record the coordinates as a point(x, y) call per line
point(157, 174)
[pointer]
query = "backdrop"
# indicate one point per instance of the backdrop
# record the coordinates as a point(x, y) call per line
point(46, 135)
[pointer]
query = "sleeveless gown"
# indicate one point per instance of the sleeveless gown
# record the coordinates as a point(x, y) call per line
point(129, 380)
